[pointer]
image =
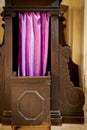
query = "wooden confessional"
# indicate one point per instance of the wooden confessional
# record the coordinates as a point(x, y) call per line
point(34, 100)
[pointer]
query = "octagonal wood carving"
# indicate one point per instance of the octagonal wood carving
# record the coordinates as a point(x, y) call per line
point(30, 105)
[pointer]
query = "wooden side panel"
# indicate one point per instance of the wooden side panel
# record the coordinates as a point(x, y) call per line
point(66, 98)
point(71, 96)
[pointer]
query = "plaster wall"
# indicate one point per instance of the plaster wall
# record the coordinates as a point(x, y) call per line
point(2, 3)
point(76, 15)
point(85, 46)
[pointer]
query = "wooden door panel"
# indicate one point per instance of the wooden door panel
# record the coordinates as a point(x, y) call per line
point(30, 100)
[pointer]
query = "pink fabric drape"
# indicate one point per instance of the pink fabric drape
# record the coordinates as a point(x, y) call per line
point(33, 43)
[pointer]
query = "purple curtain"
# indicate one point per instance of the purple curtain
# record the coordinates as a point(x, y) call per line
point(33, 43)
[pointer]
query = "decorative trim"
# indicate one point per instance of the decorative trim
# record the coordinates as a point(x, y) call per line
point(8, 13)
point(19, 108)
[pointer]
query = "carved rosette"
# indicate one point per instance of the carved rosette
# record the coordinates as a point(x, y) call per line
point(8, 13)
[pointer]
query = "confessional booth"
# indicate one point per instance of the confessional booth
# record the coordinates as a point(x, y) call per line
point(36, 85)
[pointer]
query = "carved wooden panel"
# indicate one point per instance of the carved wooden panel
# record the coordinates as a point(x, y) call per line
point(30, 100)
point(67, 98)
point(71, 96)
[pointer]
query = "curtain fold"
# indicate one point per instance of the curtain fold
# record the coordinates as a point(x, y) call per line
point(22, 45)
point(44, 41)
point(37, 43)
point(33, 43)
point(29, 45)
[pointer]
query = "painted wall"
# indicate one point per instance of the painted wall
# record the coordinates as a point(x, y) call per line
point(85, 46)
point(75, 26)
point(2, 3)
point(1, 28)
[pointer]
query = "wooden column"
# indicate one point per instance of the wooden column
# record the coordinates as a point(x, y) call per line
point(2, 57)
point(8, 64)
point(54, 61)
point(55, 88)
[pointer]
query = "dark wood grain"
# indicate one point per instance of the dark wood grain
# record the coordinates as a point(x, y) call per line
point(29, 2)
point(71, 97)
point(2, 88)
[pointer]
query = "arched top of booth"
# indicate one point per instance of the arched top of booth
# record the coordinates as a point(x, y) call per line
point(22, 3)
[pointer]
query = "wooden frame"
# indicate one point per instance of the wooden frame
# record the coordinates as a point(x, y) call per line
point(63, 107)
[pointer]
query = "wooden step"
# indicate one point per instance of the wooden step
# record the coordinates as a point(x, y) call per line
point(41, 127)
